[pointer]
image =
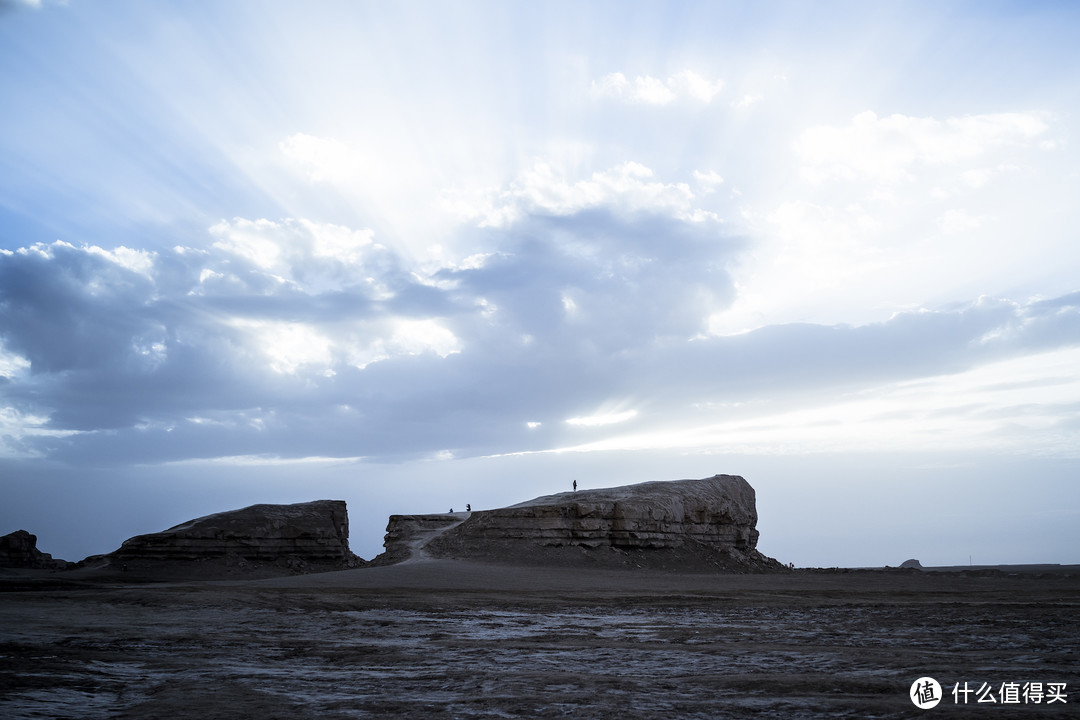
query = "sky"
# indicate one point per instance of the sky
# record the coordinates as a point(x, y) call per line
point(415, 255)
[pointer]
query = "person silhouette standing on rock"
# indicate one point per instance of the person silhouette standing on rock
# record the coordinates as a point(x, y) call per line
point(575, 486)
point(468, 507)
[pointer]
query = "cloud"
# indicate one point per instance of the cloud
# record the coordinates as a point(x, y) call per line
point(600, 419)
point(992, 376)
point(645, 89)
point(602, 279)
point(310, 339)
point(709, 181)
point(583, 316)
point(12, 365)
point(746, 101)
point(20, 431)
point(97, 339)
point(892, 149)
point(1026, 405)
point(879, 214)
point(308, 256)
point(405, 338)
point(628, 188)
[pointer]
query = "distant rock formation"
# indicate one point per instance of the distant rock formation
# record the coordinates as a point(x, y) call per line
point(911, 564)
point(707, 523)
point(19, 550)
point(295, 536)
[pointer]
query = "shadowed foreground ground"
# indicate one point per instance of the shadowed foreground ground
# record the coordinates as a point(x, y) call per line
point(442, 639)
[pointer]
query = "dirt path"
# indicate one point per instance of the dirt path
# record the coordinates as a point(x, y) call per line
point(426, 535)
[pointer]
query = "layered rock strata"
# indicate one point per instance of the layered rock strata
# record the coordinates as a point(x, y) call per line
point(312, 532)
point(711, 520)
point(19, 550)
point(406, 535)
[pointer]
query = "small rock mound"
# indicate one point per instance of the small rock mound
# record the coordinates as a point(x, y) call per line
point(912, 564)
point(19, 550)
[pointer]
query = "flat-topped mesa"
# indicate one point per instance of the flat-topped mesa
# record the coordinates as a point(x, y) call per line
point(711, 520)
point(311, 532)
point(718, 511)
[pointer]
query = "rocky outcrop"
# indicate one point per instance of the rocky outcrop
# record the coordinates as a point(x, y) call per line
point(406, 535)
point(311, 533)
point(19, 550)
point(712, 520)
point(718, 511)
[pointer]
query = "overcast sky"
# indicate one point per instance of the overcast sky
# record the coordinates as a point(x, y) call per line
point(414, 255)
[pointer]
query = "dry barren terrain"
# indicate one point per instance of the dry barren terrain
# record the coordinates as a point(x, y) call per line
point(448, 639)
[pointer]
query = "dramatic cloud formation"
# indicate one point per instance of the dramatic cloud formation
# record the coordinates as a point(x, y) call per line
point(274, 314)
point(281, 330)
point(394, 255)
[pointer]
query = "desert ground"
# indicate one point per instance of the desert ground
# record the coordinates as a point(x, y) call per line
point(453, 639)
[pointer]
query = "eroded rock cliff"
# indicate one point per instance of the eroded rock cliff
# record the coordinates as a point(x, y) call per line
point(407, 535)
point(709, 522)
point(312, 533)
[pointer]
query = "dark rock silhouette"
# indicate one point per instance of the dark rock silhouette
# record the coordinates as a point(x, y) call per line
point(19, 550)
point(681, 525)
point(300, 537)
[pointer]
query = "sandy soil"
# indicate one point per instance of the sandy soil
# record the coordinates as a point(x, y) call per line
point(449, 639)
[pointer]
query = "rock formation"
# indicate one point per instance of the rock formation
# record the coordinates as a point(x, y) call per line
point(707, 523)
point(407, 534)
point(311, 533)
point(19, 550)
